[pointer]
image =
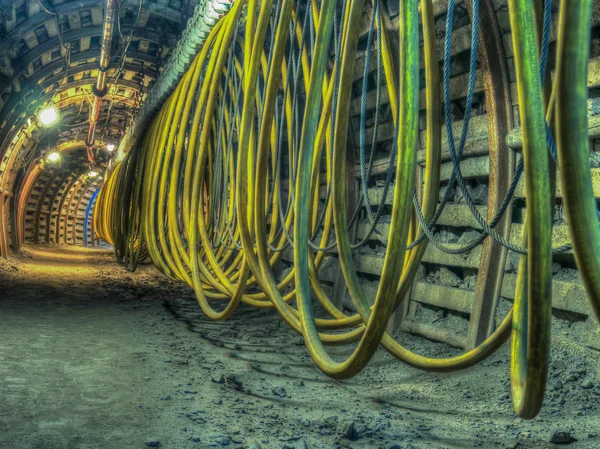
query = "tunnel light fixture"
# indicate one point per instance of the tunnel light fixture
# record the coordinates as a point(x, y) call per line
point(92, 174)
point(48, 116)
point(53, 157)
point(110, 147)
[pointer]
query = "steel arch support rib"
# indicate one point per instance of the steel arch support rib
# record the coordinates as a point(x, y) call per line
point(492, 62)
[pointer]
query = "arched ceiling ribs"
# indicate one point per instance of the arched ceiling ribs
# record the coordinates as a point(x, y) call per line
point(121, 114)
point(33, 86)
point(116, 98)
point(77, 142)
point(25, 106)
point(89, 60)
point(40, 62)
point(36, 17)
point(30, 57)
point(77, 210)
point(50, 54)
point(40, 200)
point(113, 119)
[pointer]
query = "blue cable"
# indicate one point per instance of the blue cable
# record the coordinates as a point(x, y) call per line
point(87, 217)
point(456, 156)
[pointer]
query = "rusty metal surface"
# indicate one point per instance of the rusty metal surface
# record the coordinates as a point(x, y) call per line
point(50, 54)
point(100, 88)
point(498, 103)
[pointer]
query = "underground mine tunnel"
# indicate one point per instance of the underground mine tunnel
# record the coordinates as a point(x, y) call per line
point(299, 224)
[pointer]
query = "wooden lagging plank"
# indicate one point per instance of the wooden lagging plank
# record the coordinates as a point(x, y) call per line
point(560, 234)
point(520, 191)
point(452, 298)
point(567, 296)
point(461, 42)
point(434, 333)
point(85, 43)
point(477, 130)
point(74, 20)
point(31, 40)
point(477, 144)
point(460, 216)
point(33, 7)
point(593, 78)
point(51, 28)
point(470, 168)
point(142, 20)
point(97, 16)
point(458, 90)
point(453, 215)
point(553, 29)
point(459, 83)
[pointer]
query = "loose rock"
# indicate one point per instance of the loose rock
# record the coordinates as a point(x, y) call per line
point(351, 432)
point(587, 384)
point(217, 378)
point(300, 444)
point(447, 277)
point(480, 194)
point(561, 437)
point(279, 391)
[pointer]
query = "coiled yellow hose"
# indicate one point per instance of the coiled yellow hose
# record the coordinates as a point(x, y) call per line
point(202, 194)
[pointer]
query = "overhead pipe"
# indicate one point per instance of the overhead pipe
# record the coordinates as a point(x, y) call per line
point(100, 89)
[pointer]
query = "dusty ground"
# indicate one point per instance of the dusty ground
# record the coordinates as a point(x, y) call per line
point(92, 356)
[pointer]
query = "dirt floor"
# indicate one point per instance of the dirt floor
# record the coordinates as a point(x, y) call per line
point(92, 356)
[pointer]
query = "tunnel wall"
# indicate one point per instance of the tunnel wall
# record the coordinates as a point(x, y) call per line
point(56, 208)
point(54, 57)
point(442, 299)
point(446, 292)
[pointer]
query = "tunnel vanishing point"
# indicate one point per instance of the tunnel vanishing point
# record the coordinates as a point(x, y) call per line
point(351, 165)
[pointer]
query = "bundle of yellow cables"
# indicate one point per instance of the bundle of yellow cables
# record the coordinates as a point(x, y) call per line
point(202, 194)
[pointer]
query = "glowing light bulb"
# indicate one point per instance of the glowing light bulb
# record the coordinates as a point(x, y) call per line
point(110, 147)
point(92, 174)
point(48, 116)
point(53, 157)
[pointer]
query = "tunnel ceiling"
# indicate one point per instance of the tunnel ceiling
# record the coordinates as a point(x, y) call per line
point(52, 51)
point(49, 54)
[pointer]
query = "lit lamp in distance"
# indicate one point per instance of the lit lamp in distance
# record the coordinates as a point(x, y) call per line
point(53, 157)
point(48, 116)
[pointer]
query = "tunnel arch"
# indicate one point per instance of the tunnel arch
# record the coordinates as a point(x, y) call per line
point(49, 54)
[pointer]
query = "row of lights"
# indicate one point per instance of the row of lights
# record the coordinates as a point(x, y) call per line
point(48, 117)
point(55, 156)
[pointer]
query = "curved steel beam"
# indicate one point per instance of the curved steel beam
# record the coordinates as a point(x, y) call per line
point(81, 191)
point(40, 204)
point(39, 19)
point(35, 84)
point(498, 103)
